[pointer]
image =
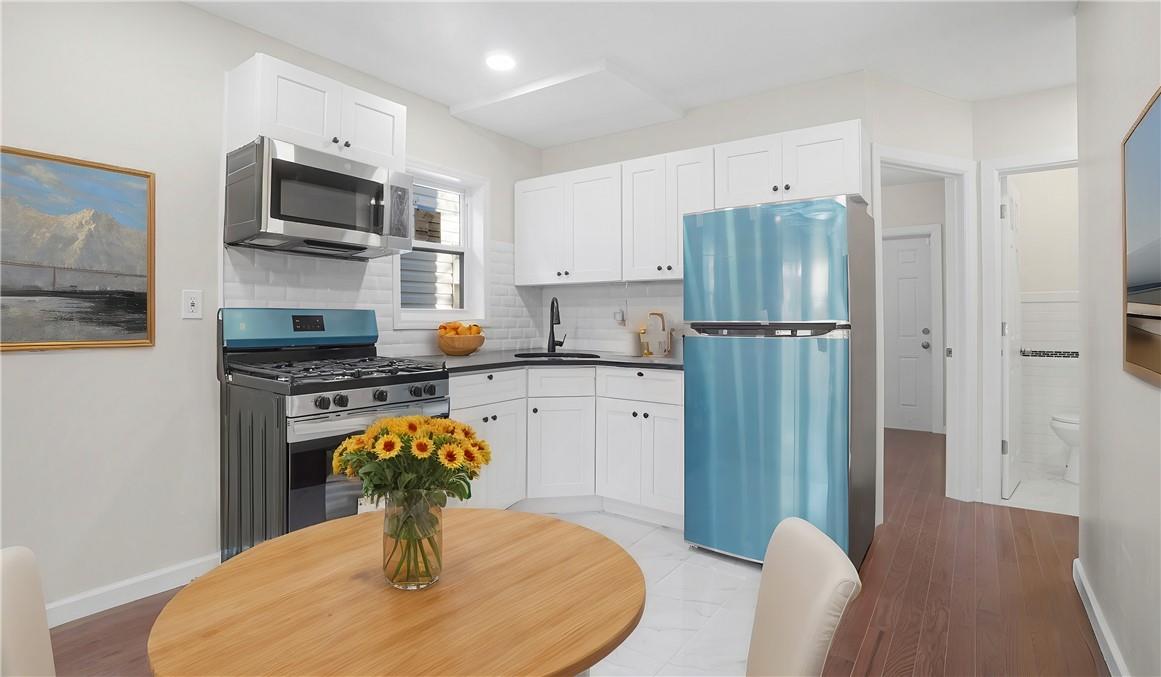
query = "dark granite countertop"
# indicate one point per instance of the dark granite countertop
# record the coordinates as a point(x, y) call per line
point(496, 359)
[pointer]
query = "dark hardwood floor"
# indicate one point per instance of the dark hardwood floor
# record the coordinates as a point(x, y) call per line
point(949, 588)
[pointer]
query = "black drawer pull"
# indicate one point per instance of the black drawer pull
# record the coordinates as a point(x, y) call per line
point(489, 377)
point(485, 419)
point(634, 414)
point(640, 373)
point(535, 410)
point(493, 417)
point(645, 415)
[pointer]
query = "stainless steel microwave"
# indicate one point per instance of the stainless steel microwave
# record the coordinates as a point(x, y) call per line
point(283, 197)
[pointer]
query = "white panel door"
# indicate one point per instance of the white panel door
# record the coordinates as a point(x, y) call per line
point(645, 236)
point(299, 106)
point(748, 172)
point(689, 188)
point(908, 332)
point(374, 127)
point(1012, 377)
point(822, 161)
point(592, 224)
point(621, 444)
point(539, 224)
point(663, 463)
point(561, 451)
point(506, 431)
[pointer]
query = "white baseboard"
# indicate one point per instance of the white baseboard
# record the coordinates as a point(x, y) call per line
point(644, 514)
point(1114, 659)
point(128, 590)
point(559, 504)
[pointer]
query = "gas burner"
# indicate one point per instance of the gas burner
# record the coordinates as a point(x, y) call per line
point(336, 369)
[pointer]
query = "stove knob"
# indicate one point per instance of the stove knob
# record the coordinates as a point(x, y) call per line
point(429, 389)
point(341, 400)
point(380, 395)
point(322, 402)
point(416, 391)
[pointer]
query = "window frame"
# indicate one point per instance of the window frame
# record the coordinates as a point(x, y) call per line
point(473, 234)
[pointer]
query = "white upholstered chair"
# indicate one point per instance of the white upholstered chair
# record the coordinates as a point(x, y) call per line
point(24, 638)
point(807, 584)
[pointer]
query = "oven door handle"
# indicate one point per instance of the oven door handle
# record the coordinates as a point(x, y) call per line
point(300, 430)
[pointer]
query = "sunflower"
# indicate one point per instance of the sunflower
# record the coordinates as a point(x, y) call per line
point(451, 456)
point(472, 457)
point(412, 425)
point(421, 447)
point(464, 432)
point(337, 460)
point(378, 427)
point(388, 446)
point(443, 426)
point(484, 450)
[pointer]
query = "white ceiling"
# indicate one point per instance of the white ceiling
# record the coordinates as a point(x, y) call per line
point(684, 54)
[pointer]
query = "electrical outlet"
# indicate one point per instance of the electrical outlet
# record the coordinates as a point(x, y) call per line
point(619, 316)
point(191, 304)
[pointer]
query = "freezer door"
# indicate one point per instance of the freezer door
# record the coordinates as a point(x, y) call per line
point(766, 437)
point(767, 263)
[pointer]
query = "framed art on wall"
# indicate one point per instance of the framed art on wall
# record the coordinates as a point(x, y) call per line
point(1141, 218)
point(76, 253)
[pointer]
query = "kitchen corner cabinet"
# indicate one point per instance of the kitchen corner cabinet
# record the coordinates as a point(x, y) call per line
point(641, 453)
point(270, 97)
point(656, 193)
point(795, 165)
point(504, 426)
point(568, 227)
point(560, 446)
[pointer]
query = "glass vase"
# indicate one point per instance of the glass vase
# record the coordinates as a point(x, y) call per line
point(412, 539)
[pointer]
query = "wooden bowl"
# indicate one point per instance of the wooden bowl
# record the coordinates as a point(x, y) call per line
point(460, 345)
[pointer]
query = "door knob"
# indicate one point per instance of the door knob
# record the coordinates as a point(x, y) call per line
point(926, 345)
point(926, 331)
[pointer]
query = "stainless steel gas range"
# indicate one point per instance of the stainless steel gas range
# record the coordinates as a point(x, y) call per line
point(295, 383)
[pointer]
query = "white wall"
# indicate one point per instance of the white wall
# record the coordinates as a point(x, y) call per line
point(1024, 124)
point(1120, 506)
point(914, 204)
point(110, 460)
point(916, 119)
point(1047, 229)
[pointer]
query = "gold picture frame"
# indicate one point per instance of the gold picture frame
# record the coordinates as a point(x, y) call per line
point(1141, 211)
point(98, 298)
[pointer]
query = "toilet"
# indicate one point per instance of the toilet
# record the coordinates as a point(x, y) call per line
point(1067, 427)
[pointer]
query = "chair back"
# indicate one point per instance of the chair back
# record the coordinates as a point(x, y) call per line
point(807, 584)
point(25, 645)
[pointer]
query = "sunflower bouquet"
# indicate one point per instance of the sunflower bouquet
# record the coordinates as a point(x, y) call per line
point(415, 463)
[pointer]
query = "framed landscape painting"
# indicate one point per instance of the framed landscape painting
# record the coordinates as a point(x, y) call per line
point(1141, 205)
point(76, 253)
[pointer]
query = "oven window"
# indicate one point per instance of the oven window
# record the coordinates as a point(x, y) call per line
point(325, 198)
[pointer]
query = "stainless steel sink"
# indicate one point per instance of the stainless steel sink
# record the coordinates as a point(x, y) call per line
point(589, 356)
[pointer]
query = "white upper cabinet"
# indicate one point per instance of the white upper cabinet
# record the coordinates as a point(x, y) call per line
point(748, 172)
point(644, 229)
point(592, 223)
point(822, 161)
point(656, 193)
point(568, 227)
point(270, 97)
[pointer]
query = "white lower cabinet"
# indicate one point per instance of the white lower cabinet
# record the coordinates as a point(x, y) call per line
point(560, 446)
point(504, 426)
point(641, 453)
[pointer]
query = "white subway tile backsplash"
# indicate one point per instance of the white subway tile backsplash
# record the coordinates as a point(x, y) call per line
point(1050, 321)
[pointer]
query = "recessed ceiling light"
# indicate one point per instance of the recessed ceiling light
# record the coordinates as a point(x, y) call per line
point(500, 62)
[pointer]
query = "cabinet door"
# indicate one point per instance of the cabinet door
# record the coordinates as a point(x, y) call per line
point(645, 230)
point(748, 172)
point(375, 128)
point(539, 222)
point(663, 461)
point(506, 431)
point(299, 106)
point(620, 446)
point(689, 188)
point(592, 224)
point(560, 446)
point(474, 416)
point(822, 161)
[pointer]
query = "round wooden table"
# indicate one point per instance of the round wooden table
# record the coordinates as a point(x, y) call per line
point(520, 594)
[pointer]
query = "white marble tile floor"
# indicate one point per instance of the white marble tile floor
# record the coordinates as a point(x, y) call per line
point(1047, 495)
point(699, 606)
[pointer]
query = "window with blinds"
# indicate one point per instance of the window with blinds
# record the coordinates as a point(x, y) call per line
point(433, 278)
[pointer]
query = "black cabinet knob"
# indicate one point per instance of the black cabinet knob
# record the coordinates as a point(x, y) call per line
point(485, 419)
point(775, 189)
point(558, 273)
point(658, 267)
point(566, 272)
point(346, 144)
point(379, 395)
point(489, 377)
point(322, 402)
point(645, 415)
point(341, 400)
point(493, 417)
point(787, 186)
point(640, 373)
point(669, 267)
point(634, 414)
point(334, 139)
point(535, 410)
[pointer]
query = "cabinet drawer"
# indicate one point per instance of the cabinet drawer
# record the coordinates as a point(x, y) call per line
point(664, 386)
point(486, 387)
point(560, 382)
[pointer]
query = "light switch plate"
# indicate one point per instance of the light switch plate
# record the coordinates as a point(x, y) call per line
point(191, 304)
